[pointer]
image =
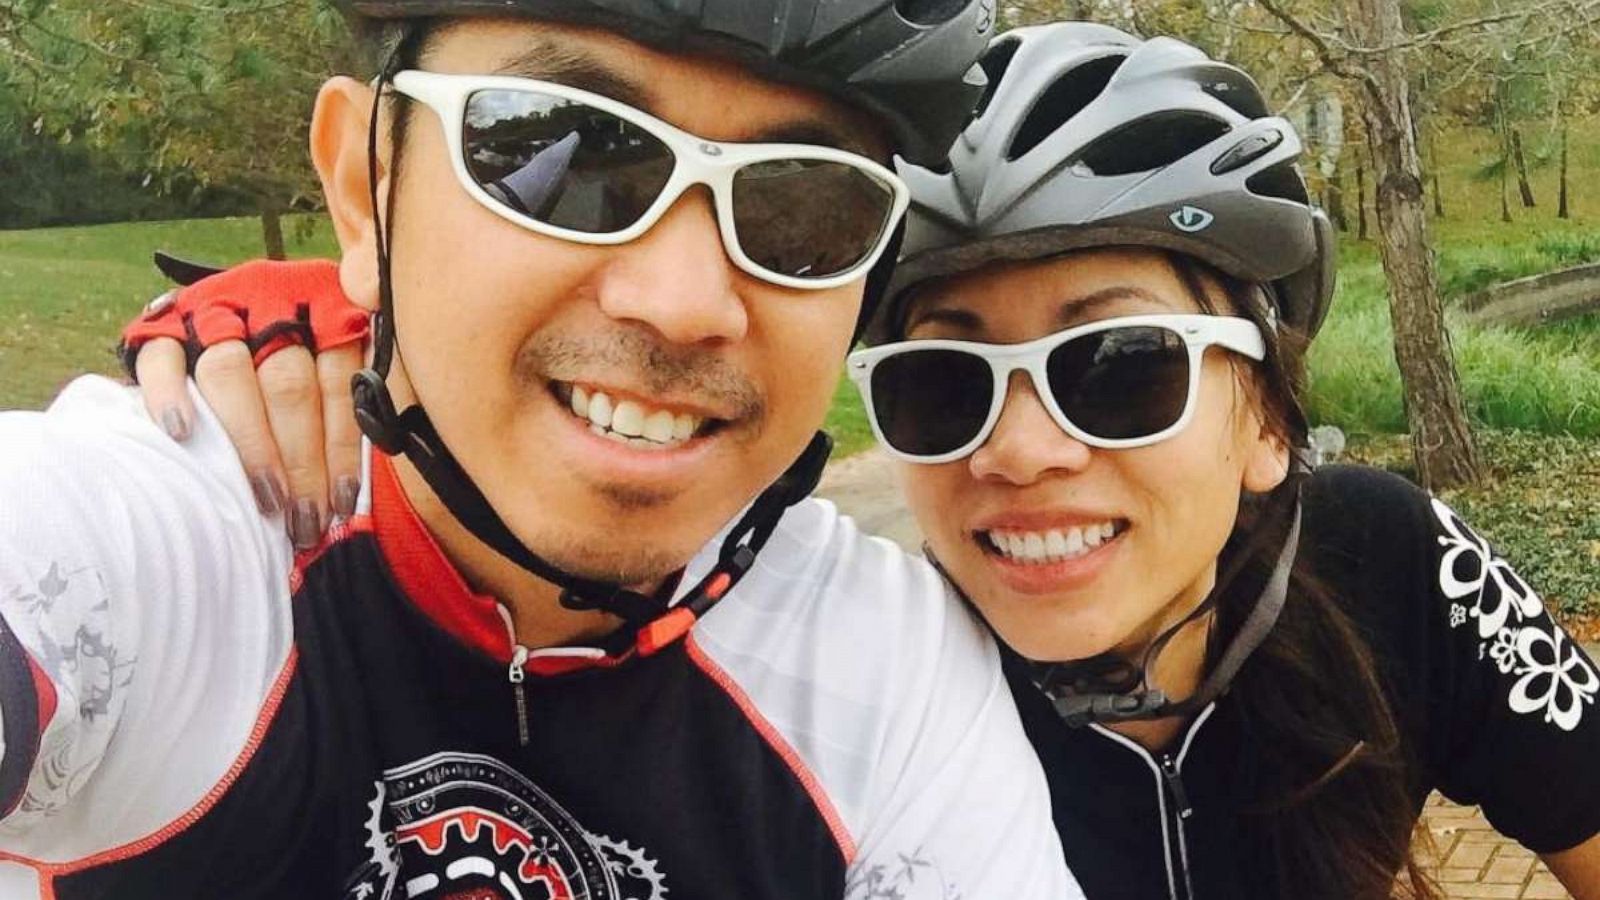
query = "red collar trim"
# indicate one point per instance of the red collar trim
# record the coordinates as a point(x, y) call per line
point(425, 574)
point(434, 586)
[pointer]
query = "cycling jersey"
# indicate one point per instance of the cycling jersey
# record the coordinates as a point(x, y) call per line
point(189, 710)
point(1493, 700)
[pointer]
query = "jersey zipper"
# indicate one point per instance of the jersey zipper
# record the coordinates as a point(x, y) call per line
point(1181, 810)
point(519, 657)
point(517, 675)
point(1169, 783)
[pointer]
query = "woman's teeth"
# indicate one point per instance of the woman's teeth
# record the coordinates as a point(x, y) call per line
point(1050, 546)
point(630, 422)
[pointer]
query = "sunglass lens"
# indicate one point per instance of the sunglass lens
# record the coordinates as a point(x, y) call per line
point(809, 218)
point(931, 402)
point(1123, 383)
point(561, 162)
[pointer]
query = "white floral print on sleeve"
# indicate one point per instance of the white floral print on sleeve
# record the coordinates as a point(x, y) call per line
point(1515, 633)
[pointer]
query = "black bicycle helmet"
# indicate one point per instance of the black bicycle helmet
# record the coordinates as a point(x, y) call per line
point(909, 63)
point(1091, 137)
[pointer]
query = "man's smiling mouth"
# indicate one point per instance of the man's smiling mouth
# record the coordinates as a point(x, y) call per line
point(632, 421)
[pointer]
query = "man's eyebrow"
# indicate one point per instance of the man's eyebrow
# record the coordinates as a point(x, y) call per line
point(548, 61)
point(1077, 309)
point(811, 131)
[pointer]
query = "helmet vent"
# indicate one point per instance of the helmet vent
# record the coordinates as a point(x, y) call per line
point(1240, 94)
point(929, 12)
point(1063, 100)
point(1151, 143)
point(1282, 181)
point(994, 63)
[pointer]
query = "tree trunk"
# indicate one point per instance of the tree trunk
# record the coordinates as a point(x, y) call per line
point(1433, 173)
point(1361, 200)
point(1502, 132)
point(1505, 190)
point(272, 231)
point(1522, 169)
point(1441, 441)
point(1333, 200)
point(1563, 211)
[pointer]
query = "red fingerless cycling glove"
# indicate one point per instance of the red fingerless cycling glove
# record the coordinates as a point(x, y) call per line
point(267, 304)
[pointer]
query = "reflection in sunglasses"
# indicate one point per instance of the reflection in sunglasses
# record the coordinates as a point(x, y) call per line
point(532, 188)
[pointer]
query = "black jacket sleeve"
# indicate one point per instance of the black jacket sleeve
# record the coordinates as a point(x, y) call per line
point(1496, 702)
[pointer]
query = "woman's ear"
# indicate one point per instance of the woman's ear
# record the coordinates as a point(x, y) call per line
point(339, 127)
point(1267, 464)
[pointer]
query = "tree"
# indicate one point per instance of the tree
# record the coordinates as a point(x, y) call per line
point(216, 96)
point(1441, 439)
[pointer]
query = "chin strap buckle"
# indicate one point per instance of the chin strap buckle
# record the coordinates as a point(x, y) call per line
point(655, 636)
point(375, 412)
point(1078, 710)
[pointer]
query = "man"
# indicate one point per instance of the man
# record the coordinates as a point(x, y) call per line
point(508, 674)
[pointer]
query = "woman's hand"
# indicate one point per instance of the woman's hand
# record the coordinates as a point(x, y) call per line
point(272, 347)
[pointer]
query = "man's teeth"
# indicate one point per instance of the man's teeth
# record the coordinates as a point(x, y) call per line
point(1050, 546)
point(630, 422)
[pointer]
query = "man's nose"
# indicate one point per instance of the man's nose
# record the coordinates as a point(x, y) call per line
point(677, 278)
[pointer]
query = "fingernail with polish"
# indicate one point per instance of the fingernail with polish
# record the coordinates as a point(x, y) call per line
point(269, 496)
point(345, 492)
point(176, 425)
point(305, 524)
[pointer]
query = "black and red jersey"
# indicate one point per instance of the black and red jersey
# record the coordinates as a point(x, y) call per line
point(191, 711)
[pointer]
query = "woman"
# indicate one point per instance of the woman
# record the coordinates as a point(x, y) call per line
point(1243, 678)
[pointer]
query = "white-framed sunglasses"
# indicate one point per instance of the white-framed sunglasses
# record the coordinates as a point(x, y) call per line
point(575, 165)
point(1117, 383)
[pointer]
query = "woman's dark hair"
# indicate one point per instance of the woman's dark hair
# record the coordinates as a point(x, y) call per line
point(1325, 780)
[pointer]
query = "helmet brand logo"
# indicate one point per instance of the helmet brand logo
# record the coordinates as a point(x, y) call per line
point(1192, 219)
point(711, 149)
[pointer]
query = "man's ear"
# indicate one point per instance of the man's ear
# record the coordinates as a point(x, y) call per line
point(339, 151)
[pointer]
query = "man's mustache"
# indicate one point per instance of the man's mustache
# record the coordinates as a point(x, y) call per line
point(645, 364)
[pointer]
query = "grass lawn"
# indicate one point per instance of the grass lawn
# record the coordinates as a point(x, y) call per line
point(66, 292)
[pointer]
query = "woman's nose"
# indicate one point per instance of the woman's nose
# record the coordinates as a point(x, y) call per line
point(1026, 443)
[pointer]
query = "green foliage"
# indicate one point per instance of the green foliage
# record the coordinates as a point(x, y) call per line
point(1467, 268)
point(847, 421)
point(182, 96)
point(1544, 380)
point(52, 183)
point(1566, 249)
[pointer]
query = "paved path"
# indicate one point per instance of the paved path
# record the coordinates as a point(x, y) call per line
point(1469, 859)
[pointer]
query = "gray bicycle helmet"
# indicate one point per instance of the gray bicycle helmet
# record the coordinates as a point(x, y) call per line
point(1090, 137)
point(909, 63)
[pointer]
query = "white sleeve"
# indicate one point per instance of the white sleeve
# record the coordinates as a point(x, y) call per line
point(143, 602)
point(960, 807)
point(891, 696)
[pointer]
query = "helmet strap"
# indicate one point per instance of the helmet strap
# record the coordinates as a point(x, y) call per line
point(1080, 705)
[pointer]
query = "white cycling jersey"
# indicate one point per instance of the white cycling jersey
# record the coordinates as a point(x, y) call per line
point(189, 710)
